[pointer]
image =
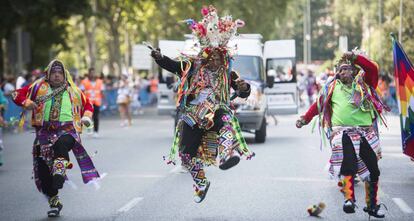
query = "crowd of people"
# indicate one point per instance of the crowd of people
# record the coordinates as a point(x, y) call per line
point(127, 93)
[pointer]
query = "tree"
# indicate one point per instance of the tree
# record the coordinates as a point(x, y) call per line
point(45, 20)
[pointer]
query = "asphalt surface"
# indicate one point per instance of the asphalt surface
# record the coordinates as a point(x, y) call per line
point(287, 175)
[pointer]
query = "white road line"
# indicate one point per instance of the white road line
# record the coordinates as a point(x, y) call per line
point(130, 205)
point(403, 206)
point(132, 175)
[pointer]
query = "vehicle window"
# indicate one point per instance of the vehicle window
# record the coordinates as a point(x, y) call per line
point(249, 67)
point(281, 69)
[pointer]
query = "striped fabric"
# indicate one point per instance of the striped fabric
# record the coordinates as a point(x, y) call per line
point(208, 149)
point(371, 194)
point(47, 136)
point(348, 188)
point(355, 134)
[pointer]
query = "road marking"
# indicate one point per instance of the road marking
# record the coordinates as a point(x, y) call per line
point(132, 175)
point(403, 206)
point(131, 204)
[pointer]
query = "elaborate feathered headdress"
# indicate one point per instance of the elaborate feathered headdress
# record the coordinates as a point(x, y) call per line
point(213, 31)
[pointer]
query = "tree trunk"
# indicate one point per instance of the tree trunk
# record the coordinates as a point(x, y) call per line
point(116, 48)
point(90, 31)
point(5, 57)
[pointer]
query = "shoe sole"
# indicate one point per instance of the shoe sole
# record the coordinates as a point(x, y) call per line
point(205, 193)
point(373, 214)
point(55, 212)
point(348, 209)
point(231, 162)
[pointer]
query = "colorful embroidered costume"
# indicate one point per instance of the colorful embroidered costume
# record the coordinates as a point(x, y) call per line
point(57, 117)
point(207, 127)
point(347, 114)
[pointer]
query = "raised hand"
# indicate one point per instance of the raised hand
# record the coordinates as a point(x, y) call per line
point(156, 54)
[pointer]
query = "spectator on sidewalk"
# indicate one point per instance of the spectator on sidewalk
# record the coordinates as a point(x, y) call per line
point(93, 87)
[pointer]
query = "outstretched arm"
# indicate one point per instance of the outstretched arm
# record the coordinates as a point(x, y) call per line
point(167, 63)
point(20, 98)
point(308, 116)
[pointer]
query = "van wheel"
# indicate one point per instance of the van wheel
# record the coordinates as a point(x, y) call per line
point(260, 135)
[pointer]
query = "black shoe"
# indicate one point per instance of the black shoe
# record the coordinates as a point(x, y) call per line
point(376, 211)
point(349, 206)
point(230, 162)
point(199, 195)
point(58, 181)
point(55, 207)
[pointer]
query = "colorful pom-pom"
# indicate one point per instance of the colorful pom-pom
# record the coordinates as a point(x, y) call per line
point(204, 11)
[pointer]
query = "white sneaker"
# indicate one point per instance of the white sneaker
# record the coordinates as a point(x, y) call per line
point(95, 135)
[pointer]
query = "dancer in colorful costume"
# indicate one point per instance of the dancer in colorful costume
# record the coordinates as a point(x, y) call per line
point(207, 126)
point(59, 110)
point(3, 104)
point(348, 108)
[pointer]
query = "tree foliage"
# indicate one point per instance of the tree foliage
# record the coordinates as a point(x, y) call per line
point(65, 28)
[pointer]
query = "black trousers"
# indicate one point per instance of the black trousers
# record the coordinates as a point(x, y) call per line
point(96, 110)
point(191, 136)
point(61, 150)
point(349, 164)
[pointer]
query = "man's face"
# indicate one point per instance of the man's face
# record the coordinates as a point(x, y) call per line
point(91, 74)
point(56, 78)
point(346, 74)
point(214, 62)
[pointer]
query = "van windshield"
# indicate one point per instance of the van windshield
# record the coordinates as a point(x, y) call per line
point(249, 67)
point(281, 69)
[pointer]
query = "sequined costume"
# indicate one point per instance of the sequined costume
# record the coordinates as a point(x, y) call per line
point(207, 127)
point(57, 119)
point(348, 115)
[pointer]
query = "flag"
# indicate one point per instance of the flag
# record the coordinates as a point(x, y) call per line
point(404, 83)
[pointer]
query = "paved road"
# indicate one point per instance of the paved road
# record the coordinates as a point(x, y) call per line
point(287, 175)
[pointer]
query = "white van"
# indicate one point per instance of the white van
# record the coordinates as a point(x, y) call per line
point(280, 57)
point(248, 62)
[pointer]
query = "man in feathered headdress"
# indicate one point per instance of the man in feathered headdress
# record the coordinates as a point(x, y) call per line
point(348, 108)
point(59, 110)
point(207, 126)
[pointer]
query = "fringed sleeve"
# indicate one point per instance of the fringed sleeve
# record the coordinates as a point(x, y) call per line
point(87, 109)
point(312, 112)
point(19, 96)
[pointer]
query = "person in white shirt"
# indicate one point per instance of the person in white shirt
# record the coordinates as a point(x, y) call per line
point(124, 100)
